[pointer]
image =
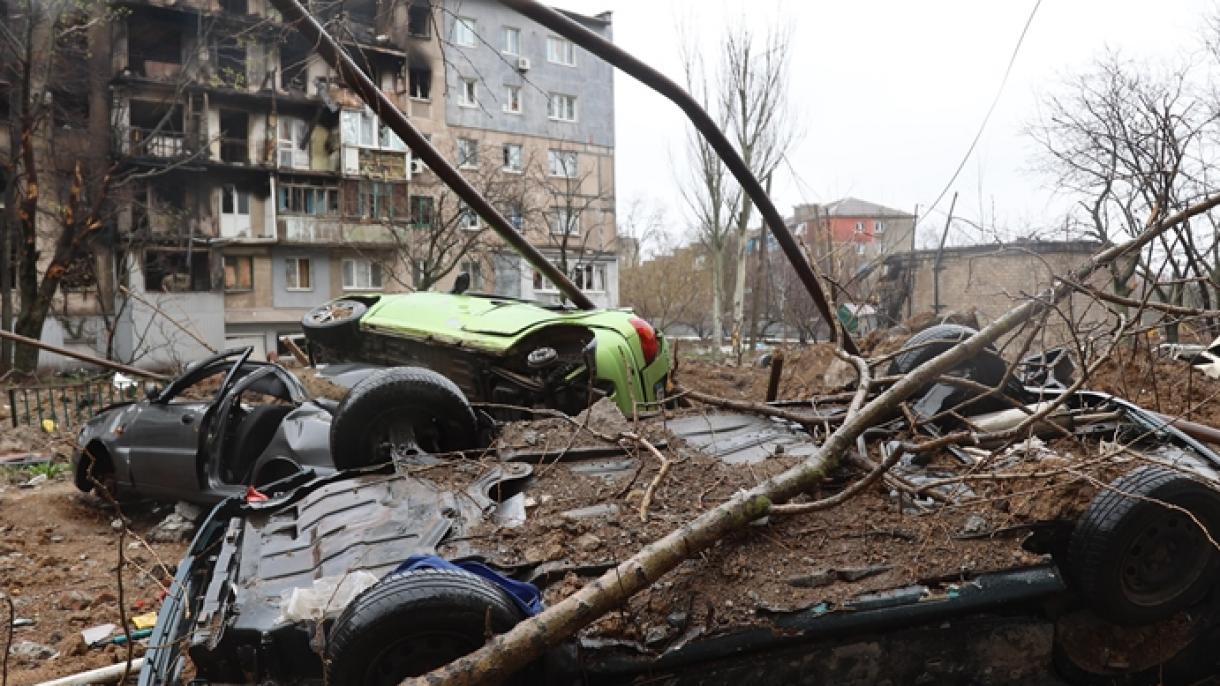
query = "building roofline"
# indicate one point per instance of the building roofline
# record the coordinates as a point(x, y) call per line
point(1084, 247)
point(603, 18)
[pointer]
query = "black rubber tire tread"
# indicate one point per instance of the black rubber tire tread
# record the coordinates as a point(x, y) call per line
point(336, 333)
point(413, 601)
point(1097, 539)
point(989, 367)
point(406, 389)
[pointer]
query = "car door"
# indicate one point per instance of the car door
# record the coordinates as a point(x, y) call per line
point(164, 440)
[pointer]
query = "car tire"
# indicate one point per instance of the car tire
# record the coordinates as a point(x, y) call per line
point(406, 406)
point(412, 622)
point(1135, 560)
point(334, 324)
point(987, 367)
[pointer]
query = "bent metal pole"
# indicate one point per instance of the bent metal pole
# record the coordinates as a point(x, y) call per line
point(657, 81)
point(391, 116)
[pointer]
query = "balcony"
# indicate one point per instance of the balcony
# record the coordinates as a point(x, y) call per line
point(314, 230)
point(135, 141)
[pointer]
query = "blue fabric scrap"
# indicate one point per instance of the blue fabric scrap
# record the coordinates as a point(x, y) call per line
point(525, 596)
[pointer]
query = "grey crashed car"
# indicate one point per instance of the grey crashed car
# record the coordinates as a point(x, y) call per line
point(228, 422)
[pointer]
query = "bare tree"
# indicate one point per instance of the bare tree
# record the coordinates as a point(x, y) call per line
point(747, 95)
point(1127, 141)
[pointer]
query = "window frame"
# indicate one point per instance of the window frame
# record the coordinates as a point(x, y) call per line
point(519, 167)
point(295, 271)
point(237, 288)
point(557, 56)
point(356, 264)
point(573, 222)
point(512, 97)
point(555, 154)
point(465, 214)
point(470, 93)
point(553, 108)
point(505, 31)
point(468, 153)
point(468, 30)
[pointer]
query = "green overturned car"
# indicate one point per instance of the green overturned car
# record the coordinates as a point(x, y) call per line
point(500, 353)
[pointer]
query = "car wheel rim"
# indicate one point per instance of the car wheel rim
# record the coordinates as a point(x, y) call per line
point(331, 312)
point(1164, 559)
point(415, 655)
point(393, 434)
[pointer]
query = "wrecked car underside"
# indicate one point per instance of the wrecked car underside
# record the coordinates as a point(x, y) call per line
point(975, 580)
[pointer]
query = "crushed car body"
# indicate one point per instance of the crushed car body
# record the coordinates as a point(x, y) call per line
point(500, 350)
point(943, 593)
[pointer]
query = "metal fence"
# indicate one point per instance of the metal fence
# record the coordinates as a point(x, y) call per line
point(65, 404)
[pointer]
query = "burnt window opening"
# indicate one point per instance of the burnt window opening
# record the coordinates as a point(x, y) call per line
point(81, 274)
point(155, 131)
point(361, 11)
point(419, 19)
point(154, 49)
point(70, 105)
point(176, 271)
point(160, 208)
point(230, 60)
point(234, 136)
point(235, 6)
point(6, 97)
point(419, 81)
point(294, 67)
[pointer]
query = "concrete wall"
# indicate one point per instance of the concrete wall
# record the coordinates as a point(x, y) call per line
point(320, 279)
point(591, 80)
point(154, 340)
point(992, 279)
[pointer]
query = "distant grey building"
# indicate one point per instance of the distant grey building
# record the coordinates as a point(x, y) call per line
point(543, 108)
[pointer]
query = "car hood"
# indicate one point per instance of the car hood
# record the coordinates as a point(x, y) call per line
point(474, 321)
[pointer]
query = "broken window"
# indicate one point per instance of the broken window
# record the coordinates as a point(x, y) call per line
point(294, 65)
point(70, 81)
point(230, 61)
point(154, 49)
point(239, 272)
point(81, 274)
point(234, 143)
point(467, 152)
point(375, 201)
point(422, 210)
point(155, 131)
point(419, 19)
point(297, 274)
point(234, 6)
point(307, 197)
point(419, 82)
point(171, 270)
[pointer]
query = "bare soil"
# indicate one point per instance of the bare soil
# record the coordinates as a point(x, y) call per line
point(58, 555)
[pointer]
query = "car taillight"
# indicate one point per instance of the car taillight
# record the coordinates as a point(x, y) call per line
point(648, 339)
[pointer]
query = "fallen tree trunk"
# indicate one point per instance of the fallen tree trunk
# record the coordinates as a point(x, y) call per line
point(508, 652)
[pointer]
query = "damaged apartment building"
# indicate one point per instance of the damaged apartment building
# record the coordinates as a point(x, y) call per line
point(256, 185)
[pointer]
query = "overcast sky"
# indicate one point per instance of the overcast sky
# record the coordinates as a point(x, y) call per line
point(891, 92)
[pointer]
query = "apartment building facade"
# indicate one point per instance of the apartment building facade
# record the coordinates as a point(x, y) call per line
point(258, 185)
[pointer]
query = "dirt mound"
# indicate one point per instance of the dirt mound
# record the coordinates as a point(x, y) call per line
point(1168, 386)
point(804, 373)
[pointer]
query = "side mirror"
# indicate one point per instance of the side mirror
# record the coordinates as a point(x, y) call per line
point(151, 391)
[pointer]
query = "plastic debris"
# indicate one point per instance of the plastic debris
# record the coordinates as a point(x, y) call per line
point(327, 596)
point(97, 634)
point(145, 621)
